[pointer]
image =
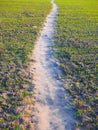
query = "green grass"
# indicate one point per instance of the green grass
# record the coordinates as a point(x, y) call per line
point(76, 46)
point(20, 22)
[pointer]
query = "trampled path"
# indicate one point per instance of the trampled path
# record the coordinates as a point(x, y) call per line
point(52, 109)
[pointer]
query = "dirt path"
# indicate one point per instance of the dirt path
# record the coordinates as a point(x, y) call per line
point(52, 109)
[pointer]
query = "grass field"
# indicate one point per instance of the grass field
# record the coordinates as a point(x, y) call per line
point(20, 22)
point(76, 46)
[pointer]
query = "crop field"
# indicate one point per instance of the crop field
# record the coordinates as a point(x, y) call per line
point(20, 22)
point(76, 48)
point(76, 38)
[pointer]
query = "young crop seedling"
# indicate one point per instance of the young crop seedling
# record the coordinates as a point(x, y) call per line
point(76, 39)
point(20, 22)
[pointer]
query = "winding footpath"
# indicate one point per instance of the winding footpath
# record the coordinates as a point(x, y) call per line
point(52, 106)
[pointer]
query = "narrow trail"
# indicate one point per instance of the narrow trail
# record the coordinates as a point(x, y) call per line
point(52, 107)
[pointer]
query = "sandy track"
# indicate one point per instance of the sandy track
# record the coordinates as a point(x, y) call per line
point(52, 109)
